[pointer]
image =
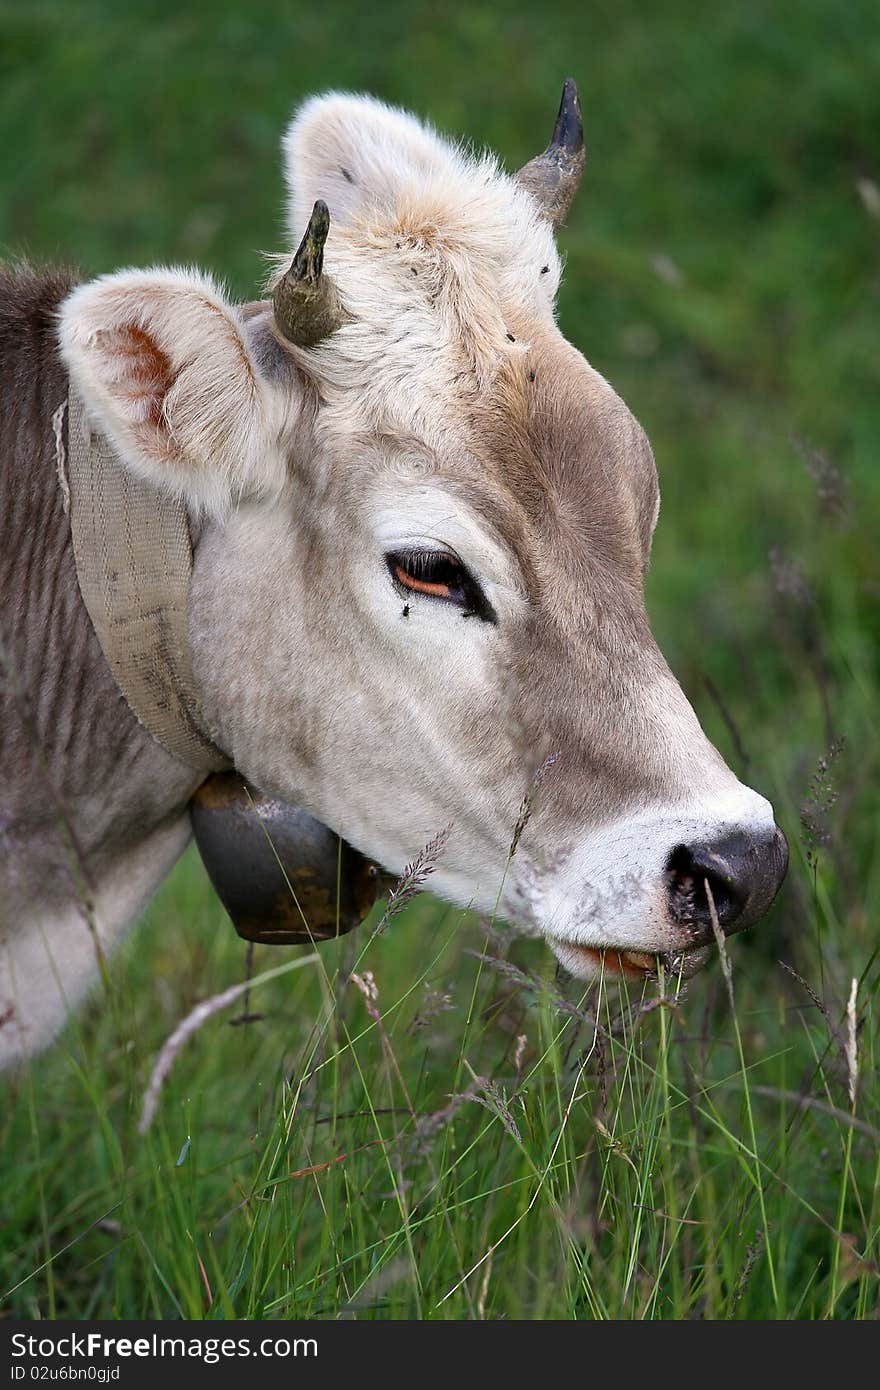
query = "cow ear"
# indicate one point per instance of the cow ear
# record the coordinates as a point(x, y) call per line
point(356, 154)
point(163, 364)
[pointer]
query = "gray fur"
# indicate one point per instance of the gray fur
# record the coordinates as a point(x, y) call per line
point(83, 785)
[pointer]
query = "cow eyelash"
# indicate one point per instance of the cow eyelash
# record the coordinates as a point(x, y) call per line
point(437, 575)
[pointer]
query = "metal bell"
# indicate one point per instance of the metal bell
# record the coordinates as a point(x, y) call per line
point(283, 877)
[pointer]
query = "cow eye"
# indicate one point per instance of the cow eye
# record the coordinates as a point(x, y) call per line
point(438, 575)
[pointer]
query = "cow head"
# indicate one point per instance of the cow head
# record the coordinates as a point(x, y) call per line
point(425, 524)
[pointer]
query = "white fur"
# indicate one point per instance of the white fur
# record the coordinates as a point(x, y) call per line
point(208, 430)
point(433, 249)
point(356, 153)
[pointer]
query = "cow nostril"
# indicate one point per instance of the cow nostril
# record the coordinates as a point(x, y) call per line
point(744, 872)
point(687, 872)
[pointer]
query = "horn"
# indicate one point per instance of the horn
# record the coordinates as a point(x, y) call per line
point(553, 177)
point(307, 307)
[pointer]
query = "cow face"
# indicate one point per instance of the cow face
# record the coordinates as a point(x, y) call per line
point(425, 526)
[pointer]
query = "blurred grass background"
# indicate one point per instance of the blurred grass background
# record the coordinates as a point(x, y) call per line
point(723, 273)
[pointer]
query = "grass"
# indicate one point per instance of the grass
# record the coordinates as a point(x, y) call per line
point(458, 1137)
point(479, 1138)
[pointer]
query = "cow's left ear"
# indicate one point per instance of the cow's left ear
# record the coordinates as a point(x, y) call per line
point(356, 154)
point(163, 364)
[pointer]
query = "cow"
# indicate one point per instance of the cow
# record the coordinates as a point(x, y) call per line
point(420, 523)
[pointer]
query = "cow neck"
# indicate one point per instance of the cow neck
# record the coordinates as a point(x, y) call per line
point(134, 561)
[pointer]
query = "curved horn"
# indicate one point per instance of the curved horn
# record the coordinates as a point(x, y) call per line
point(307, 307)
point(553, 177)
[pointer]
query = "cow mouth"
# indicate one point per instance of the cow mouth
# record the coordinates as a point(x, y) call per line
point(623, 963)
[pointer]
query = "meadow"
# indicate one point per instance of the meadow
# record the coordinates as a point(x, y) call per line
point(426, 1120)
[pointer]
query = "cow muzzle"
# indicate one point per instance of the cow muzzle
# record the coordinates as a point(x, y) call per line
point(649, 891)
point(737, 877)
point(283, 877)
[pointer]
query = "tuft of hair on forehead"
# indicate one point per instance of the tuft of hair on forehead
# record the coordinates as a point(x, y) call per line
point(426, 236)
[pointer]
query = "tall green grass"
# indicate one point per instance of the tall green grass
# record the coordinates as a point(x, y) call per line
point(482, 1138)
point(427, 1123)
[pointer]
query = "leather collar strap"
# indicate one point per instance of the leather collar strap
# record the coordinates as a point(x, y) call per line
point(134, 563)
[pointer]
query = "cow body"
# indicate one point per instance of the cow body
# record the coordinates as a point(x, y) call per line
point(92, 809)
point(423, 522)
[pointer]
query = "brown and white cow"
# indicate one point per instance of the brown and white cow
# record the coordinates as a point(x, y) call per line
point(423, 524)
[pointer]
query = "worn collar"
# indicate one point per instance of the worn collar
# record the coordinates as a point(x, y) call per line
point(134, 562)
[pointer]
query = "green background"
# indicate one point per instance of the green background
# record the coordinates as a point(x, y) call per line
point(723, 273)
